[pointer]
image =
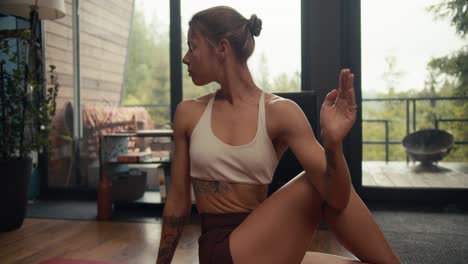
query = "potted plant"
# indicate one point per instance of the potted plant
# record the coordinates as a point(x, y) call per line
point(27, 105)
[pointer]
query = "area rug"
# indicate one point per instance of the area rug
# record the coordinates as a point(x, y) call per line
point(86, 210)
point(429, 248)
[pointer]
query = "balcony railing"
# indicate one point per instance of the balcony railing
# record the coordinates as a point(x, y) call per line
point(413, 102)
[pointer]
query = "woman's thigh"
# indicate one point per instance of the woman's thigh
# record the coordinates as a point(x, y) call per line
point(281, 228)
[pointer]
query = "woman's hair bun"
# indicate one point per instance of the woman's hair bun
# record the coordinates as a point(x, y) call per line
point(255, 25)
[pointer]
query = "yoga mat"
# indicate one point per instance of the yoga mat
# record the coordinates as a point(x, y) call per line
point(75, 261)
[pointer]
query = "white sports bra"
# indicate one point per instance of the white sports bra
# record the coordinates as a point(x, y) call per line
point(212, 159)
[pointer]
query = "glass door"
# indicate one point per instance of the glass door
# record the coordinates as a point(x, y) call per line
point(414, 96)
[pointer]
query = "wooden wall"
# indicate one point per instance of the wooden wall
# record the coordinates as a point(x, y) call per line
point(104, 33)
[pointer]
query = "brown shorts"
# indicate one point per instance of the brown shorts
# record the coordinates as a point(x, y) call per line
point(214, 240)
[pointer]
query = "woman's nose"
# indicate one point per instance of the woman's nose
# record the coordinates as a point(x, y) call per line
point(185, 60)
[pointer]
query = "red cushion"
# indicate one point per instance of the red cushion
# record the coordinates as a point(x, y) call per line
point(75, 261)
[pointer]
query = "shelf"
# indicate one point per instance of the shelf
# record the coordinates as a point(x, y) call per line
point(123, 134)
point(149, 197)
point(149, 161)
point(115, 144)
point(144, 133)
point(155, 133)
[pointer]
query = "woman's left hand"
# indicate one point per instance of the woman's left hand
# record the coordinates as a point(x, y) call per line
point(338, 112)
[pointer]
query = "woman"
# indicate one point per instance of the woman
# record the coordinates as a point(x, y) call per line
point(228, 143)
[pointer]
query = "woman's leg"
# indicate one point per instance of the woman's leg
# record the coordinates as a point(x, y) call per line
point(281, 228)
point(356, 229)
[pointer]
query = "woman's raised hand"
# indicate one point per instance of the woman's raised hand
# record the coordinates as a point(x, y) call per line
point(338, 112)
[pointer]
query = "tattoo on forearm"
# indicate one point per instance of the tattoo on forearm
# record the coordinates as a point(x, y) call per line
point(166, 252)
point(216, 187)
point(174, 221)
point(170, 240)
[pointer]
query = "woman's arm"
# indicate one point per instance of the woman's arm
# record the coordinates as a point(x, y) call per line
point(337, 116)
point(325, 165)
point(179, 202)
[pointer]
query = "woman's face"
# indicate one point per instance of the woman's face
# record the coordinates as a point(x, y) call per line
point(200, 59)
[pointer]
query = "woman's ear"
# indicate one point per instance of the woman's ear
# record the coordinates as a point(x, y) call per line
point(223, 49)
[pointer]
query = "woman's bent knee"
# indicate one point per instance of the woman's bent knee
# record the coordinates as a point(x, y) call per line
point(301, 185)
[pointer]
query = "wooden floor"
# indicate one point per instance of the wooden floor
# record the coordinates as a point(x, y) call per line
point(132, 243)
point(401, 174)
point(137, 243)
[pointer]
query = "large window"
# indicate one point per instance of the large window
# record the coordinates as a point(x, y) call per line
point(412, 80)
point(102, 40)
point(148, 66)
point(276, 61)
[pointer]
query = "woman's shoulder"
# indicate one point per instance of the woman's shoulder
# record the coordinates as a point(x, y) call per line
point(275, 104)
point(188, 105)
point(189, 111)
point(204, 99)
point(282, 114)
